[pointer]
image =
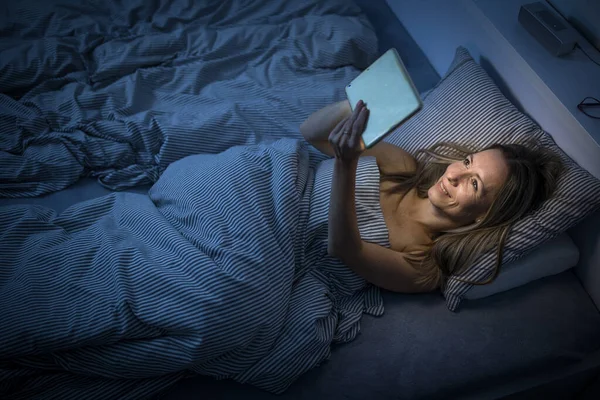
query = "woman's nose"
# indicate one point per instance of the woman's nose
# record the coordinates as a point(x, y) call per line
point(451, 179)
point(454, 177)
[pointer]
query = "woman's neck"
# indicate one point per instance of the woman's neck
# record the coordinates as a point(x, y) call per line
point(425, 215)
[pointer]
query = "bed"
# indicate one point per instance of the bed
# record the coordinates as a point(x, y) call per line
point(538, 339)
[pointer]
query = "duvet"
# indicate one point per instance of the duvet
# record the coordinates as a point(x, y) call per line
point(220, 269)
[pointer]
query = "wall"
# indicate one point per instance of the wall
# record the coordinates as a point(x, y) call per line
point(583, 76)
point(583, 14)
point(514, 61)
point(542, 86)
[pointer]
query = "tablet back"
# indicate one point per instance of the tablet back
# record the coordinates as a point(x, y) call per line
point(389, 93)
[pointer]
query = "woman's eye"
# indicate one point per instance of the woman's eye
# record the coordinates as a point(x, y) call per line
point(466, 162)
point(475, 184)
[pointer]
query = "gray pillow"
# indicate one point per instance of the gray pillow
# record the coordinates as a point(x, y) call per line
point(466, 107)
point(550, 258)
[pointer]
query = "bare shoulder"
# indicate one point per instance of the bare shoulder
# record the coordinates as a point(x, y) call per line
point(392, 159)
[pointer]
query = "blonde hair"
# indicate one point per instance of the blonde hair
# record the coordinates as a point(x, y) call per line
point(533, 172)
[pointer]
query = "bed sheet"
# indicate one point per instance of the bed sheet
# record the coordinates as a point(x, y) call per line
point(419, 350)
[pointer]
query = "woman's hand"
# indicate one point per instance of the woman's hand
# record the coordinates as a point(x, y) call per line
point(346, 137)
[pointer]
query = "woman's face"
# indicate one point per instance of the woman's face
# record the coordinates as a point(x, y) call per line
point(467, 189)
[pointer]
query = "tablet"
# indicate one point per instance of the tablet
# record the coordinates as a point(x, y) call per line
point(389, 93)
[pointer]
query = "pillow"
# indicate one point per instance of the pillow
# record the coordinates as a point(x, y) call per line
point(550, 258)
point(466, 107)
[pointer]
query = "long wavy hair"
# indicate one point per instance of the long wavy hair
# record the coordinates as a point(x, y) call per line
point(532, 178)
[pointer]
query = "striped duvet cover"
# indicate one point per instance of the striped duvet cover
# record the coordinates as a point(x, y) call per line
point(221, 270)
point(196, 276)
point(118, 90)
point(124, 295)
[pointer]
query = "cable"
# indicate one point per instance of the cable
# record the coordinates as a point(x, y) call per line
point(581, 106)
point(586, 53)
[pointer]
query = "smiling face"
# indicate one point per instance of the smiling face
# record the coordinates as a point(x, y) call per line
point(467, 188)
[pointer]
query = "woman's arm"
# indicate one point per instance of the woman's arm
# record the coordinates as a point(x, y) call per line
point(391, 159)
point(318, 125)
point(386, 268)
point(383, 267)
point(343, 226)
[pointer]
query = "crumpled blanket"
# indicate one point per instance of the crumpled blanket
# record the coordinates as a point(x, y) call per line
point(123, 295)
point(118, 90)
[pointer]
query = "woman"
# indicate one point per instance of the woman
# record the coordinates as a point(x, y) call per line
point(441, 214)
point(235, 265)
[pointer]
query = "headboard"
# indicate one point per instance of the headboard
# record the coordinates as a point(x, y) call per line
point(544, 87)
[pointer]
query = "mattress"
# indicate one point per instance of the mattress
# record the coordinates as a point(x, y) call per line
point(420, 350)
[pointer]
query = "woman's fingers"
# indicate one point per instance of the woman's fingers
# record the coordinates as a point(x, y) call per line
point(335, 138)
point(342, 142)
point(347, 128)
point(362, 118)
point(338, 128)
point(359, 106)
point(345, 138)
point(358, 128)
point(337, 132)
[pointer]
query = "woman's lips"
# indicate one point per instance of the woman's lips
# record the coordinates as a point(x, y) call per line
point(443, 189)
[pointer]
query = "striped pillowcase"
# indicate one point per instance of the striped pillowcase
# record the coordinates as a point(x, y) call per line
point(466, 107)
